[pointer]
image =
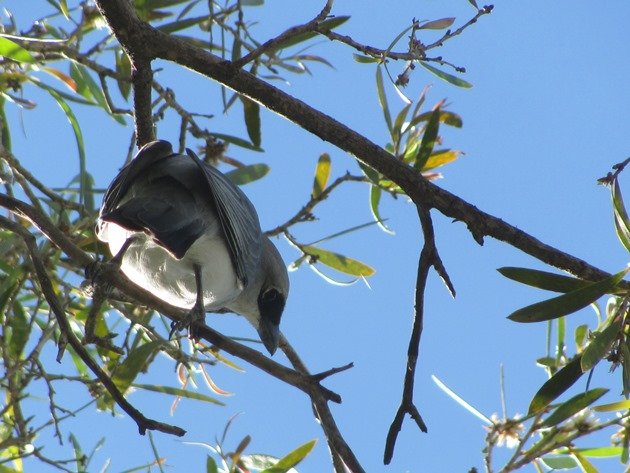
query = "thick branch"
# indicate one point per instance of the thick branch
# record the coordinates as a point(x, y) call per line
point(149, 42)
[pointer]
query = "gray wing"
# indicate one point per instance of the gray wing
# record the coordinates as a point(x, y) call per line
point(239, 221)
point(155, 194)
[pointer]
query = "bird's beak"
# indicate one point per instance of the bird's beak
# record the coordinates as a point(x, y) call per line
point(269, 334)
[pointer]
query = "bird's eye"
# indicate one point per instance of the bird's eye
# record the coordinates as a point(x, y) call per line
point(271, 304)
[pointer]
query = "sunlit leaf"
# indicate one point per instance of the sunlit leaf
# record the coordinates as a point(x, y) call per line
point(14, 51)
point(581, 332)
point(291, 459)
point(597, 452)
point(585, 465)
point(448, 118)
point(428, 140)
point(459, 400)
point(88, 88)
point(123, 69)
point(322, 174)
point(569, 302)
point(440, 158)
point(599, 346)
point(573, 406)
point(246, 174)
point(339, 262)
point(437, 24)
point(364, 59)
point(63, 77)
point(177, 392)
point(5, 131)
point(558, 462)
point(556, 385)
point(543, 279)
point(211, 465)
point(446, 76)
point(382, 98)
point(613, 406)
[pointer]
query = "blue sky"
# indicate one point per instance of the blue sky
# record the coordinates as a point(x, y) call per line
point(547, 116)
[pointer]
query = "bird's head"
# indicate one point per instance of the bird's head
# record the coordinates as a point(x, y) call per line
point(272, 296)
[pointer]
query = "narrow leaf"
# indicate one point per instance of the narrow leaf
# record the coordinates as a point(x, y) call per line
point(585, 465)
point(573, 406)
point(360, 58)
point(5, 131)
point(322, 174)
point(237, 141)
point(375, 199)
point(622, 222)
point(543, 279)
point(600, 344)
point(339, 262)
point(428, 140)
point(293, 458)
point(66, 79)
point(20, 331)
point(437, 24)
point(328, 24)
point(474, 411)
point(178, 392)
point(14, 51)
point(246, 174)
point(556, 385)
point(613, 406)
point(211, 465)
point(448, 118)
point(598, 452)
point(382, 98)
point(251, 111)
point(123, 68)
point(559, 463)
point(446, 76)
point(569, 302)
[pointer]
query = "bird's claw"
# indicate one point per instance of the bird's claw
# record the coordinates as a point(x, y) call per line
point(189, 321)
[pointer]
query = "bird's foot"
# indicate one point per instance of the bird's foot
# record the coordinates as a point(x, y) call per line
point(191, 322)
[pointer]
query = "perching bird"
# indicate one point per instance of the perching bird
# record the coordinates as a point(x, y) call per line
point(196, 241)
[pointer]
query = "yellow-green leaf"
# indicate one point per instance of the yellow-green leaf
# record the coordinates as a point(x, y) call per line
point(622, 223)
point(322, 174)
point(14, 51)
point(446, 76)
point(382, 98)
point(613, 406)
point(569, 302)
point(291, 459)
point(428, 139)
point(585, 465)
point(251, 111)
point(440, 158)
point(178, 392)
point(543, 279)
point(339, 262)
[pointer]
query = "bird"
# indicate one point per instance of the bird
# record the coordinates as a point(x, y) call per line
point(183, 231)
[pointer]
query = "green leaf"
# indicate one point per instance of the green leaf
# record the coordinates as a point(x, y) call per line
point(597, 452)
point(85, 197)
point(123, 68)
point(329, 24)
point(441, 24)
point(382, 98)
point(446, 76)
point(622, 223)
point(428, 140)
point(375, 199)
point(4, 126)
point(559, 463)
point(237, 141)
point(20, 331)
point(600, 344)
point(14, 51)
point(360, 58)
point(322, 174)
point(182, 24)
point(178, 392)
point(543, 279)
point(399, 122)
point(88, 88)
point(128, 370)
point(246, 174)
point(580, 336)
point(573, 406)
point(252, 120)
point(556, 385)
point(211, 465)
point(339, 262)
point(569, 302)
point(291, 459)
point(76, 446)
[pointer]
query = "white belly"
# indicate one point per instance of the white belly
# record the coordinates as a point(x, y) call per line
point(153, 268)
